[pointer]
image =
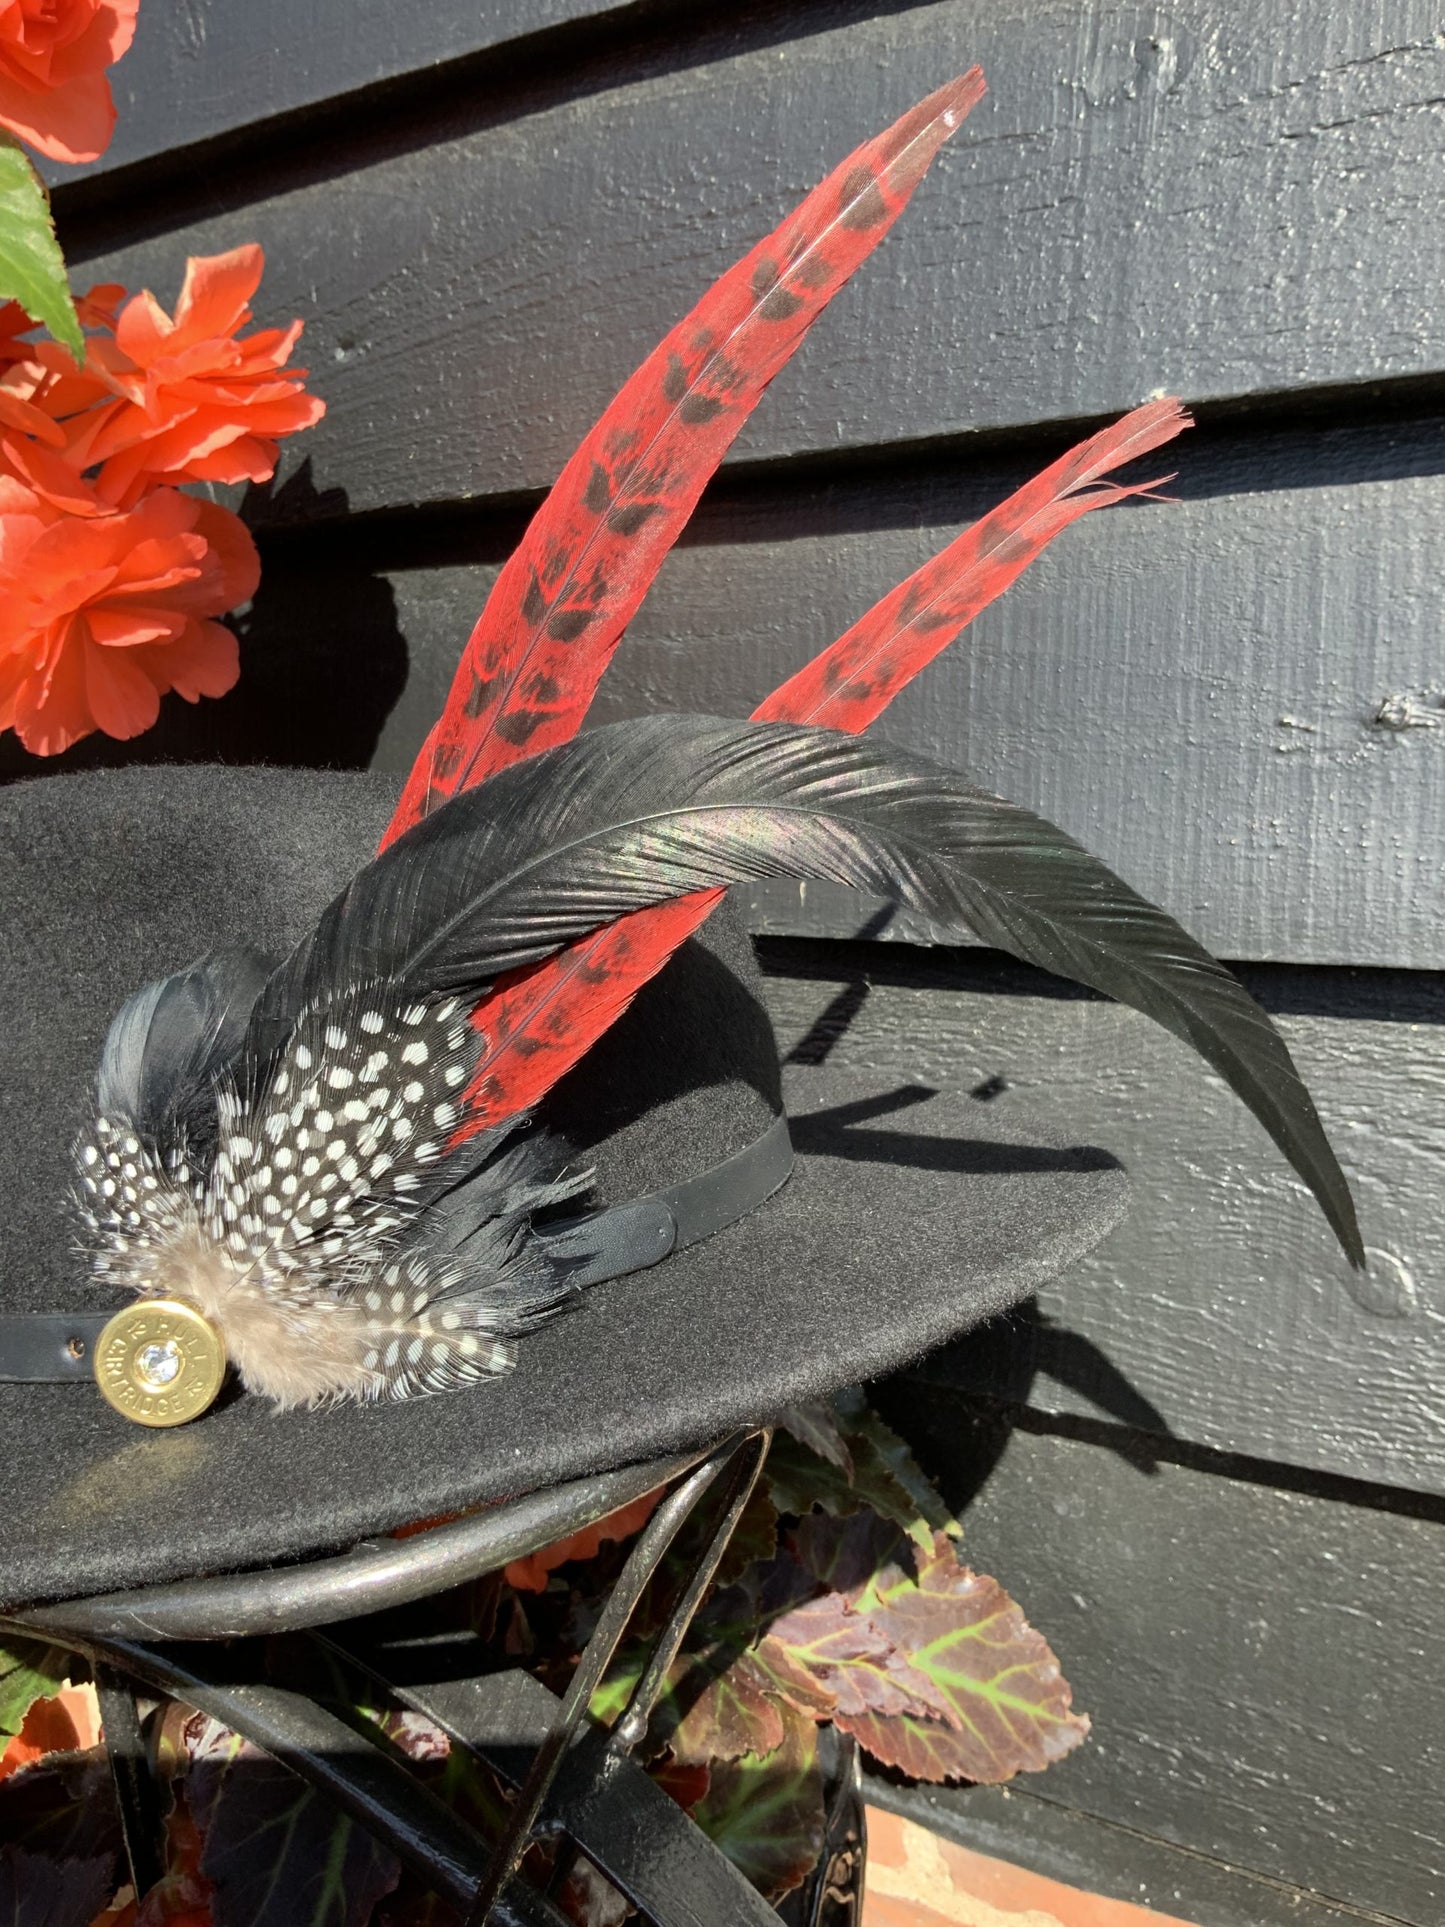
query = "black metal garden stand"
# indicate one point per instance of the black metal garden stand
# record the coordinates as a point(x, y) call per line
point(198, 1641)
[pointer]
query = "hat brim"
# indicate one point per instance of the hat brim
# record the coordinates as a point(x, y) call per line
point(910, 1216)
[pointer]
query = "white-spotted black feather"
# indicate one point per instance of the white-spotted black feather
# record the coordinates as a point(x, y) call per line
point(306, 1218)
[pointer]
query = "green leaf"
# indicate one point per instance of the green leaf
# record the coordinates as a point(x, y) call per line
point(882, 1446)
point(765, 1812)
point(29, 1671)
point(32, 268)
point(609, 1702)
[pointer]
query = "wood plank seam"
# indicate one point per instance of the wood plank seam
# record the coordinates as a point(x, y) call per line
point(1261, 1667)
point(490, 88)
point(1372, 432)
point(458, 334)
point(1212, 1313)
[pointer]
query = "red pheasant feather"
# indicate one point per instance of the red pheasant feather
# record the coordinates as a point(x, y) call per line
point(560, 605)
point(543, 1019)
point(852, 682)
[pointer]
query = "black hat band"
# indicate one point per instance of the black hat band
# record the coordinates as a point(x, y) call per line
point(59, 1347)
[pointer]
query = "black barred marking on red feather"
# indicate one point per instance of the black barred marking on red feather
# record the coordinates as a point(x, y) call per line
point(565, 596)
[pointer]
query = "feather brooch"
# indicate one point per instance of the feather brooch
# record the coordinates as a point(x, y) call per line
point(332, 1155)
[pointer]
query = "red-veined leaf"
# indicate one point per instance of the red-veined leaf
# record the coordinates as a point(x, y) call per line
point(532, 1573)
point(885, 1455)
point(883, 1476)
point(1009, 1707)
point(754, 1541)
point(852, 1660)
point(183, 1895)
point(684, 1784)
point(60, 1858)
point(277, 1852)
point(816, 1429)
point(735, 1713)
point(792, 1679)
point(844, 1554)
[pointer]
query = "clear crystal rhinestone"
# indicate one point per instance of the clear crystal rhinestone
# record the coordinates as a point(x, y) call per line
point(157, 1365)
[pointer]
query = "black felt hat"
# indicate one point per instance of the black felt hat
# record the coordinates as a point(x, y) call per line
point(904, 1216)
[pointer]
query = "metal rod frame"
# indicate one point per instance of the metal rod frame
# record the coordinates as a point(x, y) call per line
point(370, 1577)
point(602, 1802)
point(137, 1797)
point(116, 1631)
point(646, 1555)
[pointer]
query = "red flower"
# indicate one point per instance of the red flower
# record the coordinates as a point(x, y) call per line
point(194, 403)
point(14, 322)
point(44, 374)
point(532, 1573)
point(109, 586)
point(100, 615)
point(66, 1722)
point(53, 57)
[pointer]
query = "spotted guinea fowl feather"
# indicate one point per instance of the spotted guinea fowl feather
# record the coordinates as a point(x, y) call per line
point(560, 604)
point(312, 1216)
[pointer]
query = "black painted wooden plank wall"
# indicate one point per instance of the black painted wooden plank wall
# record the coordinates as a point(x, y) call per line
point(1270, 643)
point(208, 69)
point(487, 212)
point(1273, 171)
point(1218, 1311)
point(1262, 1667)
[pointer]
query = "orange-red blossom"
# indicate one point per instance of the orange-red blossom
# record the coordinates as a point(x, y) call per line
point(111, 579)
point(53, 57)
point(191, 402)
point(100, 615)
